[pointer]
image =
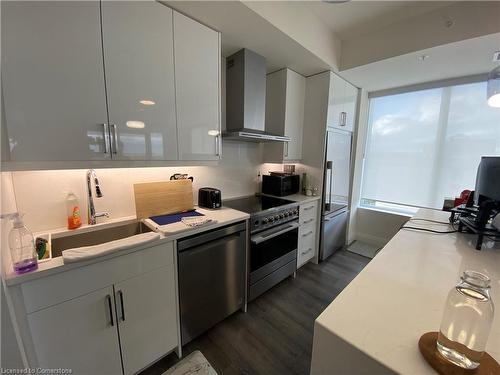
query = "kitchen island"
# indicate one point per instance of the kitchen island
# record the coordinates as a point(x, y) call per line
point(374, 325)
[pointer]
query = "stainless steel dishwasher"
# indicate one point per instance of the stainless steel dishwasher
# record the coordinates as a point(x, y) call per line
point(212, 278)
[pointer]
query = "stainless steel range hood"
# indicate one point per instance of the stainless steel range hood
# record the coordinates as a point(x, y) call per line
point(246, 99)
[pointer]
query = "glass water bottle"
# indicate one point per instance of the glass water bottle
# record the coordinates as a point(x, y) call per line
point(467, 320)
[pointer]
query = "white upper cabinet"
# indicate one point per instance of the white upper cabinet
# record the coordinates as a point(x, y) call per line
point(285, 97)
point(53, 81)
point(341, 103)
point(139, 65)
point(351, 100)
point(197, 85)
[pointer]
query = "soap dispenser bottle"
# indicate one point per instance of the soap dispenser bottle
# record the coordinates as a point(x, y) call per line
point(73, 211)
point(22, 245)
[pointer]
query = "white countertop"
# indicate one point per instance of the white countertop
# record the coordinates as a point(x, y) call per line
point(374, 325)
point(223, 216)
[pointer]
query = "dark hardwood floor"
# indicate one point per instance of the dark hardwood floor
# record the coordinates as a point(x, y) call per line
point(275, 335)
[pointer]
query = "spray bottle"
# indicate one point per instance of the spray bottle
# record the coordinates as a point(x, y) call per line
point(22, 245)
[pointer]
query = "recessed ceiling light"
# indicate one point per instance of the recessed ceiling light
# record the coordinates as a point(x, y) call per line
point(135, 124)
point(423, 57)
point(147, 102)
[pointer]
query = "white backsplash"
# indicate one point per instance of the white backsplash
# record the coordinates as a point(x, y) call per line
point(41, 194)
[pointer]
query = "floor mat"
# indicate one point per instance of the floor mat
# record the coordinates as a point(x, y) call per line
point(363, 248)
point(195, 363)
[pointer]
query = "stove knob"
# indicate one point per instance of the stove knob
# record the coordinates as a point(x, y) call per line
point(265, 221)
point(287, 214)
point(277, 217)
point(271, 219)
point(282, 216)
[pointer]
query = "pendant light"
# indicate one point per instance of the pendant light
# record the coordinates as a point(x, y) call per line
point(494, 88)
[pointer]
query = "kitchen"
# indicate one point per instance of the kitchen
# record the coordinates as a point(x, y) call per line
point(246, 156)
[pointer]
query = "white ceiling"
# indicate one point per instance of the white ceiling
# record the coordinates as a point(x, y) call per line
point(467, 57)
point(355, 18)
point(241, 27)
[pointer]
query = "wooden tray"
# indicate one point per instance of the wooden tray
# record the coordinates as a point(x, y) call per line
point(427, 346)
point(163, 198)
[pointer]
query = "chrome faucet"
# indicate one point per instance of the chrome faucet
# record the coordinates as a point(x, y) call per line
point(91, 214)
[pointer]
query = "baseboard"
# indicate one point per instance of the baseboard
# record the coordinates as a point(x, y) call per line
point(372, 240)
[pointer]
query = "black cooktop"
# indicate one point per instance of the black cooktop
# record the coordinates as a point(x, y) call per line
point(255, 203)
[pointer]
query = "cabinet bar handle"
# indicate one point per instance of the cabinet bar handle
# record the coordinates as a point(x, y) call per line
point(286, 149)
point(110, 306)
point(343, 118)
point(308, 208)
point(115, 139)
point(120, 293)
point(307, 251)
point(307, 234)
point(307, 221)
point(105, 138)
point(217, 145)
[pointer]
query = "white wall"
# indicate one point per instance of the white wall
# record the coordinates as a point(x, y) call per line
point(470, 19)
point(41, 194)
point(302, 25)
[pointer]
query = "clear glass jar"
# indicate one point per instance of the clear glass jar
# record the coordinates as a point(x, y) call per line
point(467, 320)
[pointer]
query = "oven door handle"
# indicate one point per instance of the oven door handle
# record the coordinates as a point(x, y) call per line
point(261, 237)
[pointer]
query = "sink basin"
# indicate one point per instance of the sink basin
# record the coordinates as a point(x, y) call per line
point(96, 237)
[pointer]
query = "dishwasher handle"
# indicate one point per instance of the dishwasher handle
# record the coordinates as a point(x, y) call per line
point(202, 238)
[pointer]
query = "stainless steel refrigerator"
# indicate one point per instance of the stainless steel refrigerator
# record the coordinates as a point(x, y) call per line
point(336, 187)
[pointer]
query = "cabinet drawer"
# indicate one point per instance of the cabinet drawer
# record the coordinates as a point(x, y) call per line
point(306, 243)
point(308, 211)
point(73, 283)
point(307, 246)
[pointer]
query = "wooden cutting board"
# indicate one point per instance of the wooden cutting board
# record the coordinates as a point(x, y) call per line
point(162, 198)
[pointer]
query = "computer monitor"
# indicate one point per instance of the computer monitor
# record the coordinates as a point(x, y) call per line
point(487, 180)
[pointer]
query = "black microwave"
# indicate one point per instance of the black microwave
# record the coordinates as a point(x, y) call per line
point(280, 185)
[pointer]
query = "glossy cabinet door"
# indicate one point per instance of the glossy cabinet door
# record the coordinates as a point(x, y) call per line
point(285, 99)
point(197, 85)
point(350, 106)
point(139, 64)
point(335, 101)
point(146, 309)
point(342, 103)
point(294, 114)
point(80, 334)
point(53, 81)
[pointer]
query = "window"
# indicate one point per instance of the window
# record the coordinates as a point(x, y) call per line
point(423, 146)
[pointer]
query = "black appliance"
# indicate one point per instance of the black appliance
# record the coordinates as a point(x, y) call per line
point(483, 203)
point(274, 231)
point(280, 184)
point(209, 198)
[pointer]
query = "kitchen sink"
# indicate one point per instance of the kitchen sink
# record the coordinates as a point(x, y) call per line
point(96, 237)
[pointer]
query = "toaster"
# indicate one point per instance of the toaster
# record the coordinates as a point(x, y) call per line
point(209, 198)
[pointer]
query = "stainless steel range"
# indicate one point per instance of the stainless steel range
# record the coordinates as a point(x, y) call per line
point(274, 230)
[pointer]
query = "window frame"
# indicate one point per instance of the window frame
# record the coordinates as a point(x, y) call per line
point(393, 207)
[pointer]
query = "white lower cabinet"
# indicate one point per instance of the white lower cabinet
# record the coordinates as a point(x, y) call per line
point(146, 317)
point(308, 232)
point(96, 318)
point(78, 335)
